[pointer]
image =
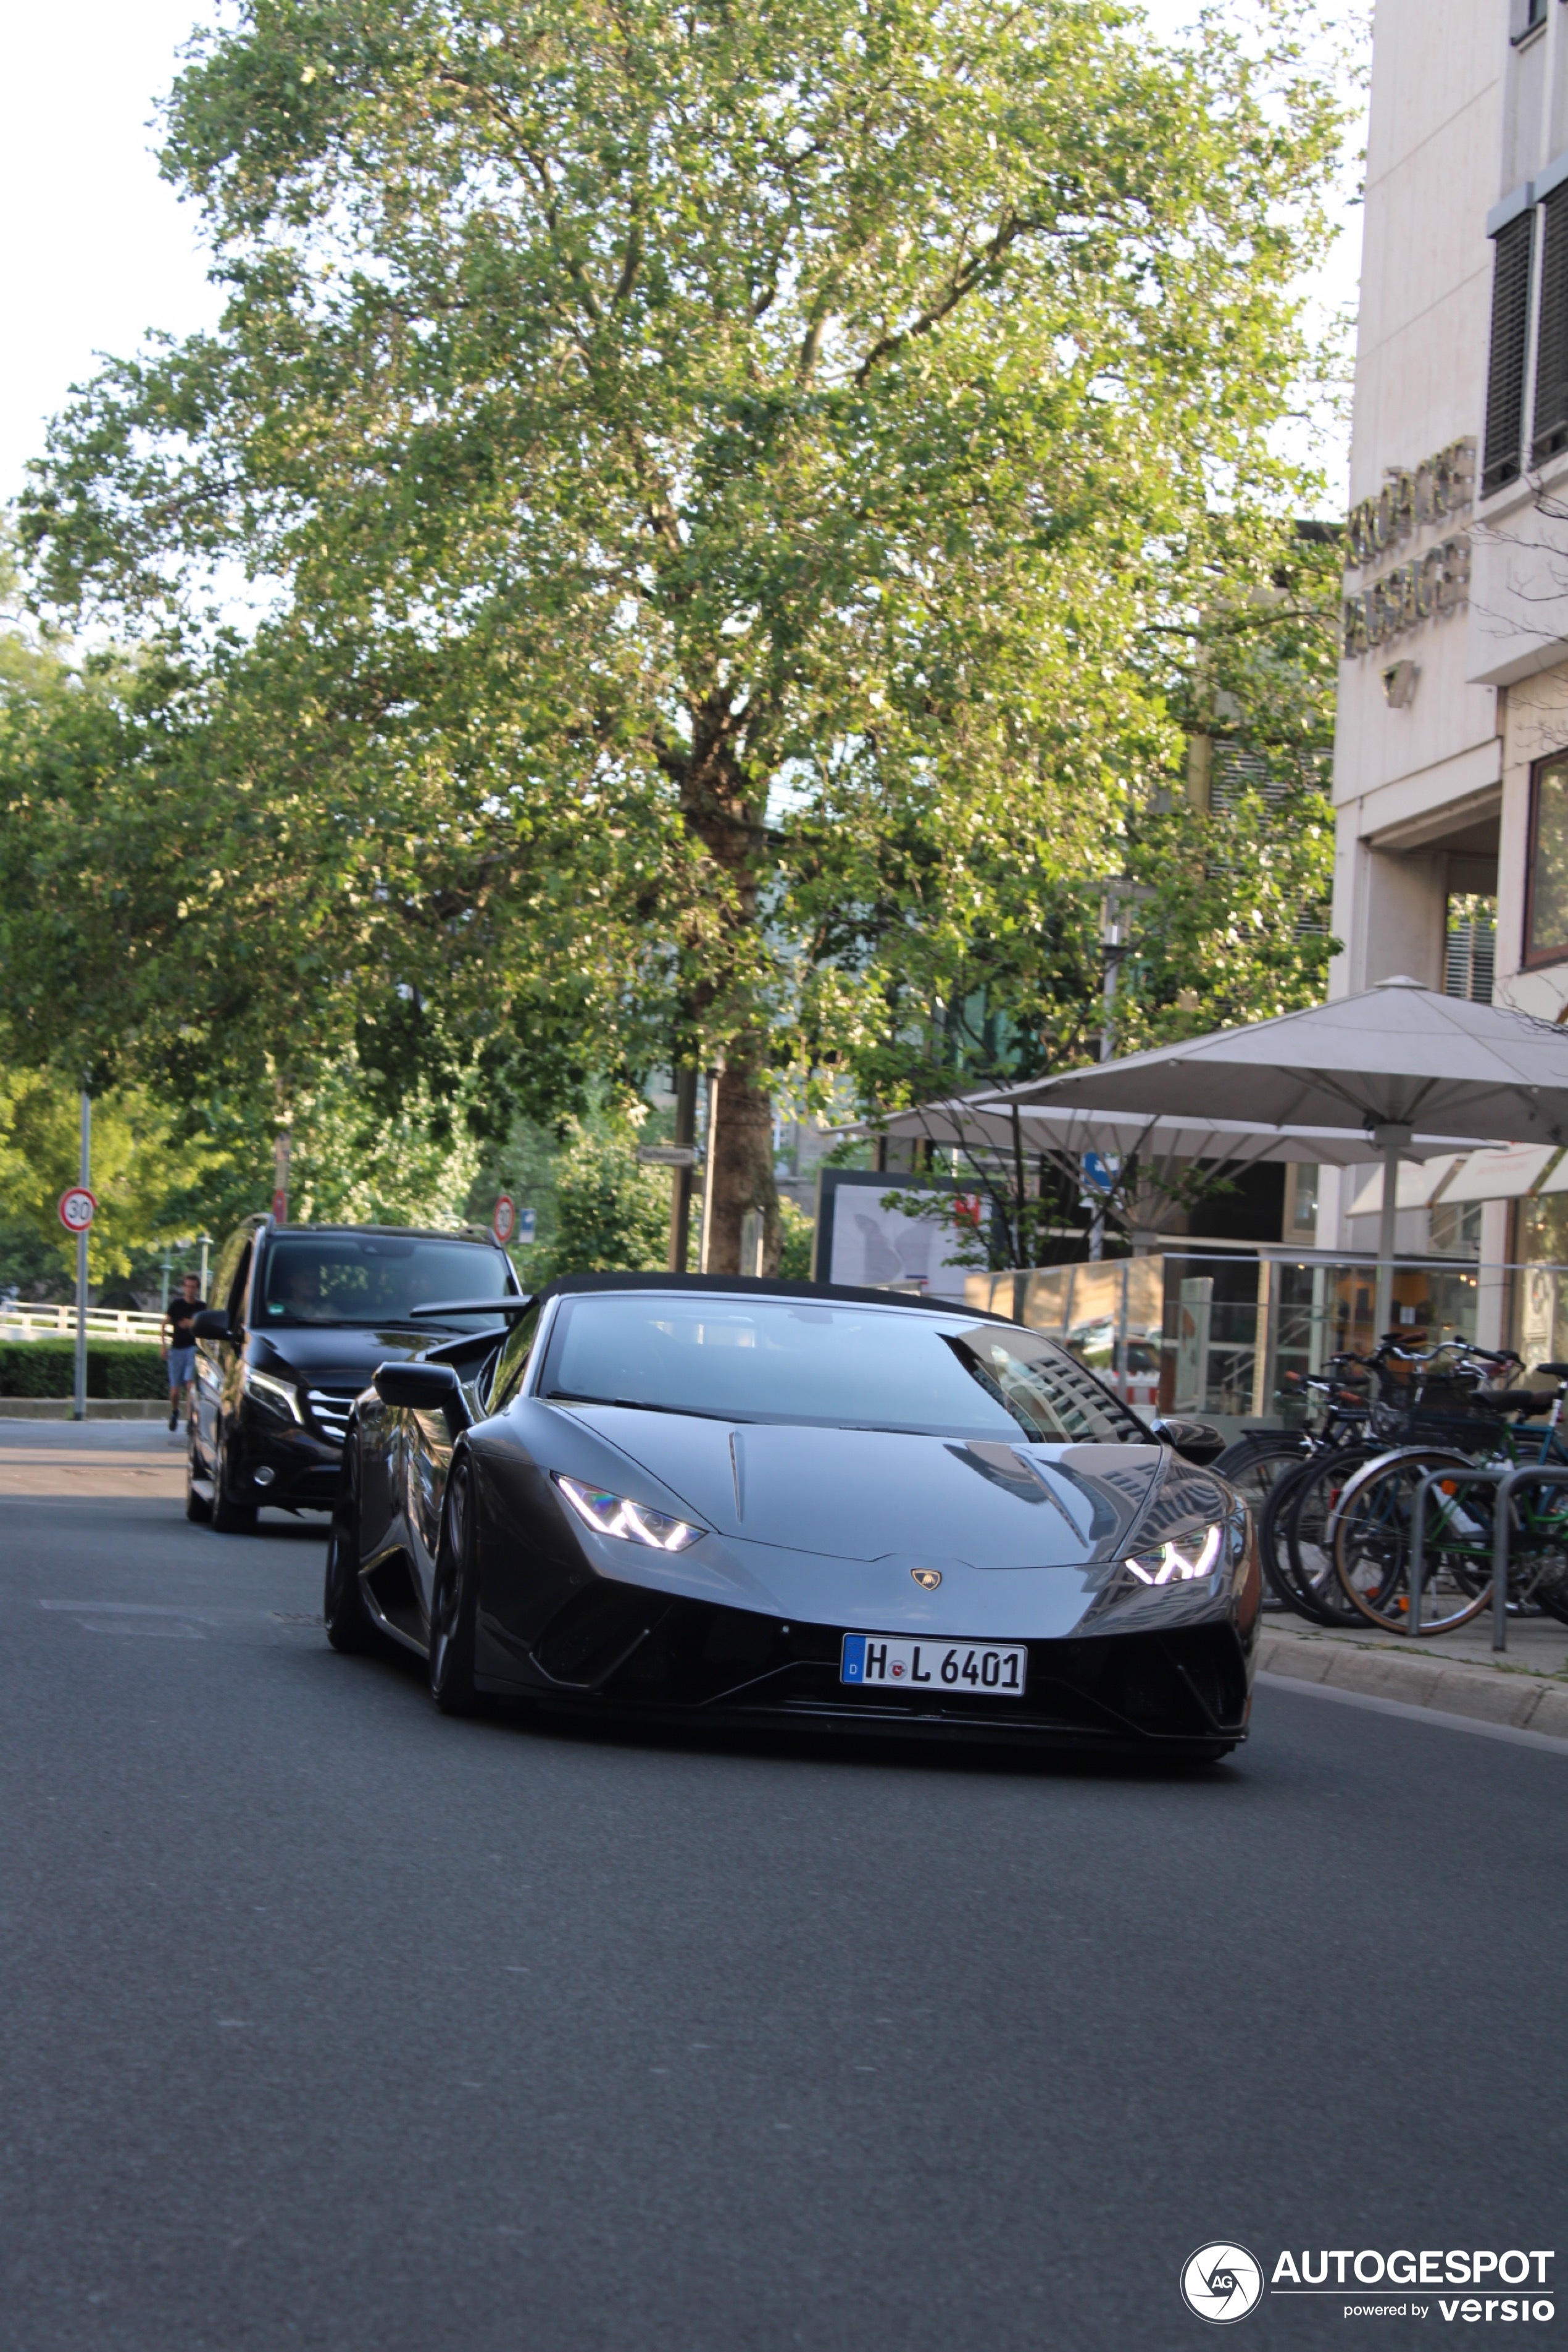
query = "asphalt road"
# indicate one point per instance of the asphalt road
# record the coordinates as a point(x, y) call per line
point(327, 2022)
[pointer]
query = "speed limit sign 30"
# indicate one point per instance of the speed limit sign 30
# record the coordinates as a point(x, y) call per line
point(77, 1209)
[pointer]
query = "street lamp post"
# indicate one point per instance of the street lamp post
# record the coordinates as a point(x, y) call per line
point(680, 1174)
point(1119, 894)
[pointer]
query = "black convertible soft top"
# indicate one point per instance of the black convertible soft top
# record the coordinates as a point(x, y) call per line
point(726, 1285)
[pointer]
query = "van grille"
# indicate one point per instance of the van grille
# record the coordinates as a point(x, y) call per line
point(330, 1411)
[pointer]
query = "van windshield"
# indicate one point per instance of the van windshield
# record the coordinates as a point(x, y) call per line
point(375, 1278)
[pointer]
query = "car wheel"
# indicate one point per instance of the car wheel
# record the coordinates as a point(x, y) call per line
point(229, 1517)
point(350, 1626)
point(197, 1507)
point(454, 1602)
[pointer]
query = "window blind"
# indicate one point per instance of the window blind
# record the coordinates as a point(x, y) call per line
point(1550, 431)
point(1503, 450)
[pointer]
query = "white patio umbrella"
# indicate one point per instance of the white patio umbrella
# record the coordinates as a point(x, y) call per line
point(1004, 1127)
point(1397, 1056)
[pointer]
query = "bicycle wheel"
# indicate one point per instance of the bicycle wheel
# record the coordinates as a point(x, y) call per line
point(1272, 1521)
point(1255, 1465)
point(1370, 1539)
point(1537, 1556)
point(1550, 1590)
point(1305, 1516)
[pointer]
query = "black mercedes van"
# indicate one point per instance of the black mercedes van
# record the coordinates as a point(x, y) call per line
point(302, 1316)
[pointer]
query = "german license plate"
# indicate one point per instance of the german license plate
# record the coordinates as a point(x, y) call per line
point(994, 1669)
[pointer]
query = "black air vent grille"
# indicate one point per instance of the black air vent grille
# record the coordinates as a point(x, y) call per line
point(1505, 371)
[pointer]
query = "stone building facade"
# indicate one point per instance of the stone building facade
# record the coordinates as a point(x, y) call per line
point(1451, 751)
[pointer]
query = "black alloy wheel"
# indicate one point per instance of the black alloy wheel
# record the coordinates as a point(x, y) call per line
point(454, 1602)
point(197, 1507)
point(230, 1516)
point(351, 1628)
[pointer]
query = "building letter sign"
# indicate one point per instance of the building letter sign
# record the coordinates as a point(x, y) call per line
point(1428, 585)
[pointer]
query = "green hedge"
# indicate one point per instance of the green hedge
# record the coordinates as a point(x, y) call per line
point(115, 1367)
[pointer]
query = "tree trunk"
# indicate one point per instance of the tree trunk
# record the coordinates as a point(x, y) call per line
point(742, 1144)
point(721, 808)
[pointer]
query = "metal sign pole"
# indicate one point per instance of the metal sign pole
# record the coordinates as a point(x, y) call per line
point(78, 1400)
point(680, 1184)
point(705, 1259)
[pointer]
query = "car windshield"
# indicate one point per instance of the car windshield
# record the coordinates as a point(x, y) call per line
point(375, 1278)
point(788, 1359)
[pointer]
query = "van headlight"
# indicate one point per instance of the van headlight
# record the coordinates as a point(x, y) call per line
point(278, 1396)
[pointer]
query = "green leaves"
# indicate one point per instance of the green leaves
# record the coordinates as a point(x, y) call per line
point(710, 485)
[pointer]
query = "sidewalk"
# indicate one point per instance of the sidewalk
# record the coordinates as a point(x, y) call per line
point(1455, 1673)
point(43, 1461)
point(98, 1408)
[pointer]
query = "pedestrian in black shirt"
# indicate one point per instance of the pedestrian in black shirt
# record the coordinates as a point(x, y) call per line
point(177, 1341)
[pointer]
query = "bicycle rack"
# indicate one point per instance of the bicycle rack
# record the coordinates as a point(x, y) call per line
point(1506, 1479)
point(1490, 1476)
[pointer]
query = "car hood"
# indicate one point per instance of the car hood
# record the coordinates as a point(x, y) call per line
point(864, 1495)
point(336, 1351)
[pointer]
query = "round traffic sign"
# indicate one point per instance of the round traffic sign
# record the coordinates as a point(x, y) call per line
point(504, 1221)
point(77, 1209)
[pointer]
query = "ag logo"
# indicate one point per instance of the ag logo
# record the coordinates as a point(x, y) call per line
point(1222, 2281)
point(928, 1578)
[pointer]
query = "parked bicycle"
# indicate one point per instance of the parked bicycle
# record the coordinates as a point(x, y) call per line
point(1255, 1461)
point(1372, 1523)
point(1301, 1513)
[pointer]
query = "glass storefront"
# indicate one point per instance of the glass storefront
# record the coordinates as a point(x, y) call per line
point(1234, 1337)
point(1541, 1296)
point(1546, 885)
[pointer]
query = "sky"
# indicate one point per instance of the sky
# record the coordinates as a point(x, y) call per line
point(98, 250)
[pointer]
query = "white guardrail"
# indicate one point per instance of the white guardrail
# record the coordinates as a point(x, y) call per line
point(18, 1322)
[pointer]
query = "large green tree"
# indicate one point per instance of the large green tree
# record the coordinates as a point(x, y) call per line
point(658, 436)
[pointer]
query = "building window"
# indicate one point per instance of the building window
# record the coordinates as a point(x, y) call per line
point(1501, 456)
point(1469, 946)
point(1455, 1232)
point(1527, 15)
point(1546, 879)
point(1300, 1202)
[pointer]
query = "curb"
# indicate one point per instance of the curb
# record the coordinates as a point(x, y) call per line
point(1487, 1695)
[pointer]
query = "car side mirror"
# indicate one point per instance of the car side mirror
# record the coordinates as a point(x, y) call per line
point(424, 1388)
point(212, 1323)
point(1197, 1442)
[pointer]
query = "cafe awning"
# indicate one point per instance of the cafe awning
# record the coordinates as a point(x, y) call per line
point(1506, 1171)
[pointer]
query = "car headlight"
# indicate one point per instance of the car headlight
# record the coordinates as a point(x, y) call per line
point(279, 1396)
point(1182, 1560)
point(613, 1515)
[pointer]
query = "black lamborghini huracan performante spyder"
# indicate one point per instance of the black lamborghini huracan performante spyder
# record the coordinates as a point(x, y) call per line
point(752, 1502)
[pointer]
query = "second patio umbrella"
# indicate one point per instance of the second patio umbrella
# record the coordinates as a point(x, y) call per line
point(1397, 1056)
